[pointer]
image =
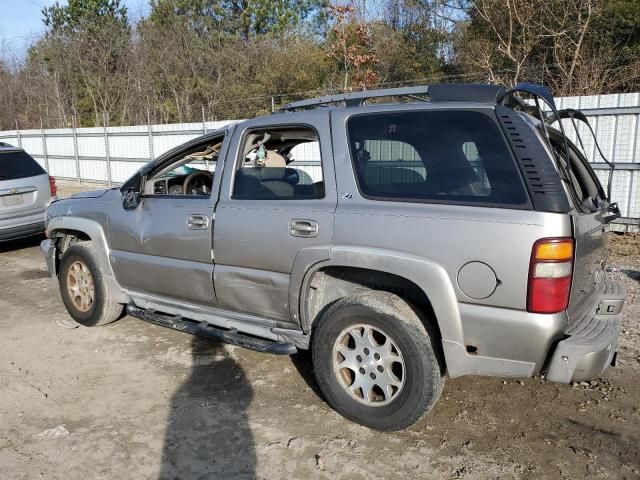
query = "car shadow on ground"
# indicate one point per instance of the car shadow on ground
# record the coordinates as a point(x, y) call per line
point(303, 363)
point(21, 243)
point(208, 434)
point(632, 274)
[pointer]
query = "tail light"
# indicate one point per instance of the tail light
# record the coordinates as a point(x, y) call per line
point(550, 274)
point(53, 187)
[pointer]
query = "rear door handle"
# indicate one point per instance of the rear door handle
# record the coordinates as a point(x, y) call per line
point(303, 228)
point(197, 222)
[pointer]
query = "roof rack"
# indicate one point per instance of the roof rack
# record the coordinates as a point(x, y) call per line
point(438, 92)
point(356, 99)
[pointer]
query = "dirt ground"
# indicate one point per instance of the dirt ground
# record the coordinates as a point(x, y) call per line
point(134, 400)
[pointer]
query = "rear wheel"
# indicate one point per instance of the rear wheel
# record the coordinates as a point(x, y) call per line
point(82, 287)
point(375, 362)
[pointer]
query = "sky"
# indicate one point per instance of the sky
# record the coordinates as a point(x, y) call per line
point(21, 22)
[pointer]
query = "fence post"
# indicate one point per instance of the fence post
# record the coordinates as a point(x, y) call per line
point(150, 136)
point(204, 130)
point(75, 148)
point(106, 147)
point(18, 134)
point(44, 147)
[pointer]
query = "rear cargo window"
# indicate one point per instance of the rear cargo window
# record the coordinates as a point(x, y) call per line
point(435, 156)
point(14, 165)
point(584, 182)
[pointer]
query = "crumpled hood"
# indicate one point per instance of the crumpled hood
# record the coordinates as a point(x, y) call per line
point(91, 193)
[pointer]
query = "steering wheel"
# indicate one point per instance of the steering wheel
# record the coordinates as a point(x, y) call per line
point(189, 179)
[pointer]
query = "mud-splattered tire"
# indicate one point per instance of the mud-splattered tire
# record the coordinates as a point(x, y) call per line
point(376, 338)
point(83, 289)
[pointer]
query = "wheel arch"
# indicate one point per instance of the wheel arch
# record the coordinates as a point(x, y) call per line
point(88, 230)
point(347, 267)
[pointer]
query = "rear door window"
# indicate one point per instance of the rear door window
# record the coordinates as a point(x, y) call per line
point(434, 156)
point(15, 165)
point(280, 163)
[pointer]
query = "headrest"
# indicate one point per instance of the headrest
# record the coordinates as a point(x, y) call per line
point(274, 159)
point(266, 174)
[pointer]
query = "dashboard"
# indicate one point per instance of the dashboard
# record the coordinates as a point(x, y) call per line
point(169, 186)
point(199, 184)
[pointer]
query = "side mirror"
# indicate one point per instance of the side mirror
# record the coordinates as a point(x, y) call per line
point(131, 192)
point(130, 199)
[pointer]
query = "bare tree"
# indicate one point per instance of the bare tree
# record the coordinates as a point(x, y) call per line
point(554, 41)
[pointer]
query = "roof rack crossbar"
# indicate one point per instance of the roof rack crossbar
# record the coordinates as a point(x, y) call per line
point(357, 98)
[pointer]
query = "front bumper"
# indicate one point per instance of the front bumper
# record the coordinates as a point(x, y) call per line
point(591, 343)
point(48, 249)
point(21, 231)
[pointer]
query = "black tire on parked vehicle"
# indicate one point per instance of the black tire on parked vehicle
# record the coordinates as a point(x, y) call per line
point(376, 338)
point(83, 289)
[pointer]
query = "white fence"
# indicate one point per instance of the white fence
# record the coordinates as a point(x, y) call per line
point(112, 154)
point(109, 155)
point(615, 120)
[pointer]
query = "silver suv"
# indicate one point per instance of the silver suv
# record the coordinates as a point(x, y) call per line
point(458, 234)
point(25, 192)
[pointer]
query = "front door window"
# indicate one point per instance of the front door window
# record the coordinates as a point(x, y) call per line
point(190, 174)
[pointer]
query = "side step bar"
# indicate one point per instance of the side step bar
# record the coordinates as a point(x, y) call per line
point(204, 329)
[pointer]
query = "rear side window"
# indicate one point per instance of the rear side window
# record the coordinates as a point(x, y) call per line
point(14, 165)
point(434, 156)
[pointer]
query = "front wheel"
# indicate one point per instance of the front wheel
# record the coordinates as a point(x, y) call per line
point(82, 287)
point(375, 361)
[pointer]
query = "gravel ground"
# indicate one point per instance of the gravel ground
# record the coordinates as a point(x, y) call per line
point(624, 266)
point(67, 188)
point(134, 400)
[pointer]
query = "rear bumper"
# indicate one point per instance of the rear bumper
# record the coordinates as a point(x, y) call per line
point(591, 343)
point(22, 224)
point(21, 231)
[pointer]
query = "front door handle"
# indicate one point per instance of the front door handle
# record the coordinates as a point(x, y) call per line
point(303, 228)
point(197, 222)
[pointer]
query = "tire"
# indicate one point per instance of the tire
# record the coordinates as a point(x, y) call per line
point(414, 362)
point(77, 260)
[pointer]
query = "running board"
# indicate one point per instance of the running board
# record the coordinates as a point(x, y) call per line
point(204, 329)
